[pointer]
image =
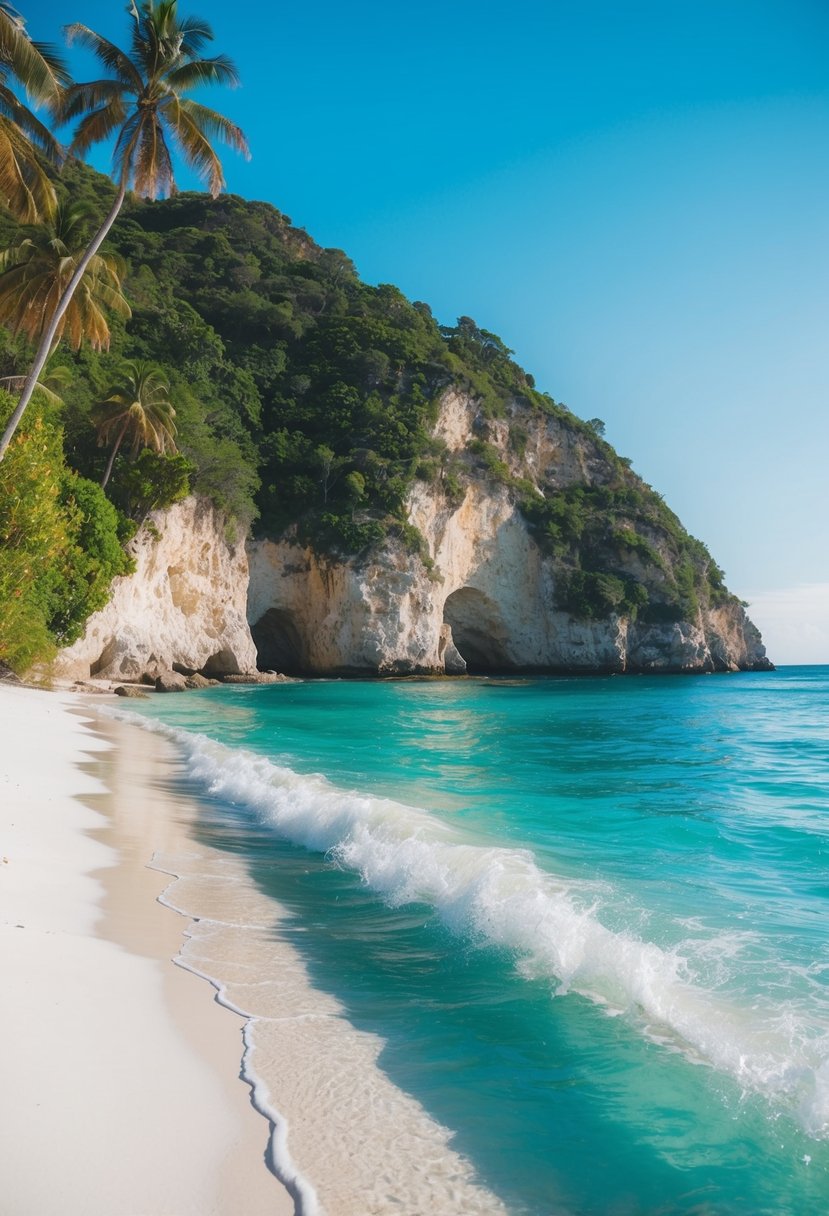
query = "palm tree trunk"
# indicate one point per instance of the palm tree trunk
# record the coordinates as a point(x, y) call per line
point(48, 338)
point(114, 453)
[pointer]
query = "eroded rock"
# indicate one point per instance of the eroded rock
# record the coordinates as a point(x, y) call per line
point(185, 604)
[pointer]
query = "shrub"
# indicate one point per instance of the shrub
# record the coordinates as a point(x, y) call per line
point(59, 544)
point(152, 481)
point(593, 595)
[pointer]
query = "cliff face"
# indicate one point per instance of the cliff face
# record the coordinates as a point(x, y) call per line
point(489, 597)
point(185, 603)
point(491, 594)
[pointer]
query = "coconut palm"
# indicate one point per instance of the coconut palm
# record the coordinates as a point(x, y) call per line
point(34, 274)
point(25, 187)
point(138, 410)
point(141, 102)
point(49, 387)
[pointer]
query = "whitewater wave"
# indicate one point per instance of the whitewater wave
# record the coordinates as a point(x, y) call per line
point(552, 925)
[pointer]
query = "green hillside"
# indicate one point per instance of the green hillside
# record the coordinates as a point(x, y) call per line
point(306, 397)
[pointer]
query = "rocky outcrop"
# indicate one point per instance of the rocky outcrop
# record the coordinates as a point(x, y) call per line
point(185, 603)
point(486, 597)
point(487, 600)
point(487, 605)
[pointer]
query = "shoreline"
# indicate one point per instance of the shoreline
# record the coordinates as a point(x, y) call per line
point(139, 1063)
point(347, 1140)
point(204, 826)
point(121, 1075)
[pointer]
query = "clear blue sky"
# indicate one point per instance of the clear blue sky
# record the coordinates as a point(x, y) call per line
point(635, 196)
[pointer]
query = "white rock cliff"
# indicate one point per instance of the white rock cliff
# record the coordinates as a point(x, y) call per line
point(485, 599)
point(185, 603)
point(488, 598)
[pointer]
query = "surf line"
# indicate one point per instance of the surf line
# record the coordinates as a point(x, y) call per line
point(277, 1155)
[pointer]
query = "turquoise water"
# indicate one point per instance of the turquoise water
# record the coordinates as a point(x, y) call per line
point(586, 916)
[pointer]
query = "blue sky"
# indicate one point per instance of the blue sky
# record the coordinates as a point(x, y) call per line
point(634, 196)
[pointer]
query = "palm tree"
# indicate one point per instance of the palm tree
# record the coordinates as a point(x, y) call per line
point(34, 274)
point(142, 103)
point(25, 187)
point(140, 409)
point(49, 387)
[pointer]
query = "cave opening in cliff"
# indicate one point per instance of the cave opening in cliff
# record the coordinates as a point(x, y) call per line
point(278, 643)
point(478, 631)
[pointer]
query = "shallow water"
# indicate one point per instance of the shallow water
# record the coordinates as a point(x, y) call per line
point(581, 921)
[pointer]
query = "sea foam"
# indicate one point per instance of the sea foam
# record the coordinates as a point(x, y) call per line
point(551, 925)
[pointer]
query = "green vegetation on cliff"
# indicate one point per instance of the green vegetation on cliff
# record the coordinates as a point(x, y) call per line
point(301, 394)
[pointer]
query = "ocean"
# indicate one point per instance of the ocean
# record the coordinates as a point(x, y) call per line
point(521, 945)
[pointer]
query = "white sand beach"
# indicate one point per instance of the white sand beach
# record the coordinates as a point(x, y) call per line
point(120, 1092)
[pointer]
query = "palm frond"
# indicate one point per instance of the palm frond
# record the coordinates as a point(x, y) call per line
point(31, 126)
point(25, 187)
point(72, 220)
point(44, 390)
point(125, 145)
point(194, 146)
point(152, 163)
point(79, 98)
point(56, 64)
point(97, 126)
point(17, 255)
point(110, 55)
point(112, 298)
point(160, 22)
point(195, 35)
point(35, 273)
point(46, 394)
point(211, 123)
point(37, 66)
point(113, 266)
point(199, 72)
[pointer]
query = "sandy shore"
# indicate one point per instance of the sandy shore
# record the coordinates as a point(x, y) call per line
point(120, 1091)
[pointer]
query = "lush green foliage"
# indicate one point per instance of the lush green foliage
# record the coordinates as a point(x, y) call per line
point(301, 394)
point(60, 544)
point(152, 481)
point(601, 532)
point(138, 411)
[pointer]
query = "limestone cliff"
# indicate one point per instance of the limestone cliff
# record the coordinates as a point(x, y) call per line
point(508, 529)
point(491, 594)
point(185, 603)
